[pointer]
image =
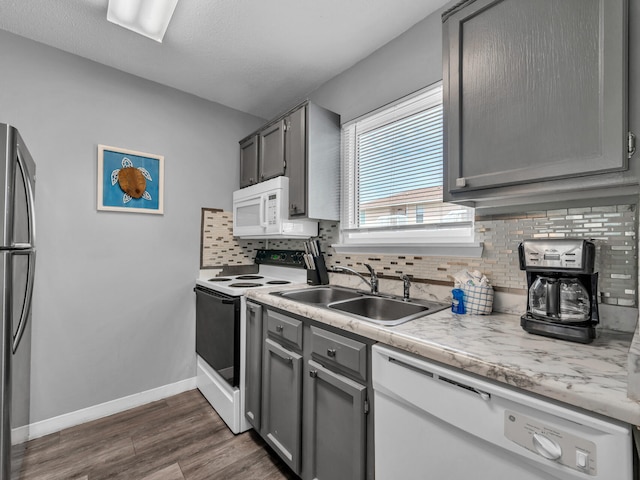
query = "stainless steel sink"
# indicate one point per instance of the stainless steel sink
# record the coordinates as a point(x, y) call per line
point(385, 311)
point(320, 295)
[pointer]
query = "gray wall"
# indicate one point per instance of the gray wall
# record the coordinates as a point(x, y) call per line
point(113, 313)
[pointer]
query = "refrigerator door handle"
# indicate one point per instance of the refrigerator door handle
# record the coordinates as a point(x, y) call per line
point(27, 179)
point(26, 306)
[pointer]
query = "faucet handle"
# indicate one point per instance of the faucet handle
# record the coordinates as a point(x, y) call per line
point(374, 279)
point(371, 270)
point(407, 285)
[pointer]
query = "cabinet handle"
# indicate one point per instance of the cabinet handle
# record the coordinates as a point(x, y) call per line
point(279, 328)
point(313, 373)
point(331, 352)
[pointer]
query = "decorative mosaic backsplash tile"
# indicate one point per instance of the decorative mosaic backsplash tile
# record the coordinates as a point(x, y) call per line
point(218, 246)
point(613, 229)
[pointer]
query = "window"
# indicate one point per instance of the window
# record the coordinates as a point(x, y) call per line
point(392, 177)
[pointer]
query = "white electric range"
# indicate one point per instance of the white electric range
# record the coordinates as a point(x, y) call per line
point(221, 329)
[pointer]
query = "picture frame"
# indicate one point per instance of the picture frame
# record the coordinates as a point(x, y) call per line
point(130, 181)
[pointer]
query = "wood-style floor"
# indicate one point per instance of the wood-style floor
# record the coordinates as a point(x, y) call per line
point(178, 438)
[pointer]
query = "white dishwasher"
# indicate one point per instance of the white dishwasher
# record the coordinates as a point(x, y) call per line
point(436, 423)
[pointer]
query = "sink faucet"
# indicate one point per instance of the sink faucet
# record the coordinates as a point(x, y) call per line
point(373, 283)
point(407, 286)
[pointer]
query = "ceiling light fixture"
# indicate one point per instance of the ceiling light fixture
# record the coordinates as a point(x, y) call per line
point(146, 17)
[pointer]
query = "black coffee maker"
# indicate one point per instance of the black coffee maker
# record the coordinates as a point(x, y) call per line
point(562, 299)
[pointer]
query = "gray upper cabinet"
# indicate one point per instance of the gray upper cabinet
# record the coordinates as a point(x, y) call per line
point(249, 161)
point(272, 151)
point(304, 145)
point(296, 161)
point(535, 99)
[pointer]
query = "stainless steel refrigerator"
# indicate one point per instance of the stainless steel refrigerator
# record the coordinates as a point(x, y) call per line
point(17, 269)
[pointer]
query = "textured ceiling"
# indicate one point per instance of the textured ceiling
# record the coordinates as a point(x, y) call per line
point(252, 55)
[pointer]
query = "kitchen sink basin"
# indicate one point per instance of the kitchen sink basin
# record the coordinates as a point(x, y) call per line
point(383, 310)
point(320, 295)
point(386, 311)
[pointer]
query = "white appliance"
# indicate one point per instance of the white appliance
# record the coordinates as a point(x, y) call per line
point(262, 211)
point(17, 251)
point(436, 422)
point(221, 325)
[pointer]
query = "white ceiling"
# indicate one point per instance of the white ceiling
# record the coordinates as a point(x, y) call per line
point(255, 56)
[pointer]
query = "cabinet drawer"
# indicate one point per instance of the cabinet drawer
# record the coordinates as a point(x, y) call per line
point(284, 328)
point(333, 349)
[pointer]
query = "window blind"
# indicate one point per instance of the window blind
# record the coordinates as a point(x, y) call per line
point(392, 169)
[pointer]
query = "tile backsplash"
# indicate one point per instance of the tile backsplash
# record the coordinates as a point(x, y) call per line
point(612, 228)
point(218, 246)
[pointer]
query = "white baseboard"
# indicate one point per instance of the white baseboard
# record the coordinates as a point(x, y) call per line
point(55, 424)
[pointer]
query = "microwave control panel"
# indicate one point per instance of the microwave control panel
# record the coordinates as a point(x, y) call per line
point(551, 443)
point(272, 209)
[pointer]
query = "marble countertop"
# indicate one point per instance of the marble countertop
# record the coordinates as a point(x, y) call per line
point(593, 377)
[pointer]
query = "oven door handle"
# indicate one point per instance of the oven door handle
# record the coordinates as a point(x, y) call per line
point(228, 302)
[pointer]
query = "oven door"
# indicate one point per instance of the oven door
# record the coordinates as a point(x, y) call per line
point(218, 332)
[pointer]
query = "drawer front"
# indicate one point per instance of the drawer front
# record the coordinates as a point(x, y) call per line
point(284, 328)
point(332, 349)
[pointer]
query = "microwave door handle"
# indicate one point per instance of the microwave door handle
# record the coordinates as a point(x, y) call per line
point(263, 211)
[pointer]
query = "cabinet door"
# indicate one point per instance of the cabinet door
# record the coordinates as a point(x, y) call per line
point(296, 161)
point(335, 426)
point(253, 375)
point(249, 162)
point(272, 151)
point(281, 402)
point(533, 91)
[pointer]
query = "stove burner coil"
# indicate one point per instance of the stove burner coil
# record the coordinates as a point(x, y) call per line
point(245, 285)
point(249, 277)
point(278, 282)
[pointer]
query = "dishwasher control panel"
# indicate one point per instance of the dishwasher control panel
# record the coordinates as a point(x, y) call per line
point(551, 443)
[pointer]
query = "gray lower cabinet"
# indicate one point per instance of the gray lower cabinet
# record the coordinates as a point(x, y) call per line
point(334, 425)
point(281, 402)
point(253, 365)
point(314, 381)
point(535, 100)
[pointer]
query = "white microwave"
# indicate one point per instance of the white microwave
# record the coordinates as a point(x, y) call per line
point(261, 211)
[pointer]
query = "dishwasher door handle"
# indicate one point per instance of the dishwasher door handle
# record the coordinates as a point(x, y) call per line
point(486, 396)
point(410, 367)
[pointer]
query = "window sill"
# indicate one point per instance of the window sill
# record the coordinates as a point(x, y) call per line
point(469, 250)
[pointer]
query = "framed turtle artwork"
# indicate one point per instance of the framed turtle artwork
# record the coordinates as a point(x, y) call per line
point(130, 181)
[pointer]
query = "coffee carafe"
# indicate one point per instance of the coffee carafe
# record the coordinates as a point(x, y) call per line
point(562, 288)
